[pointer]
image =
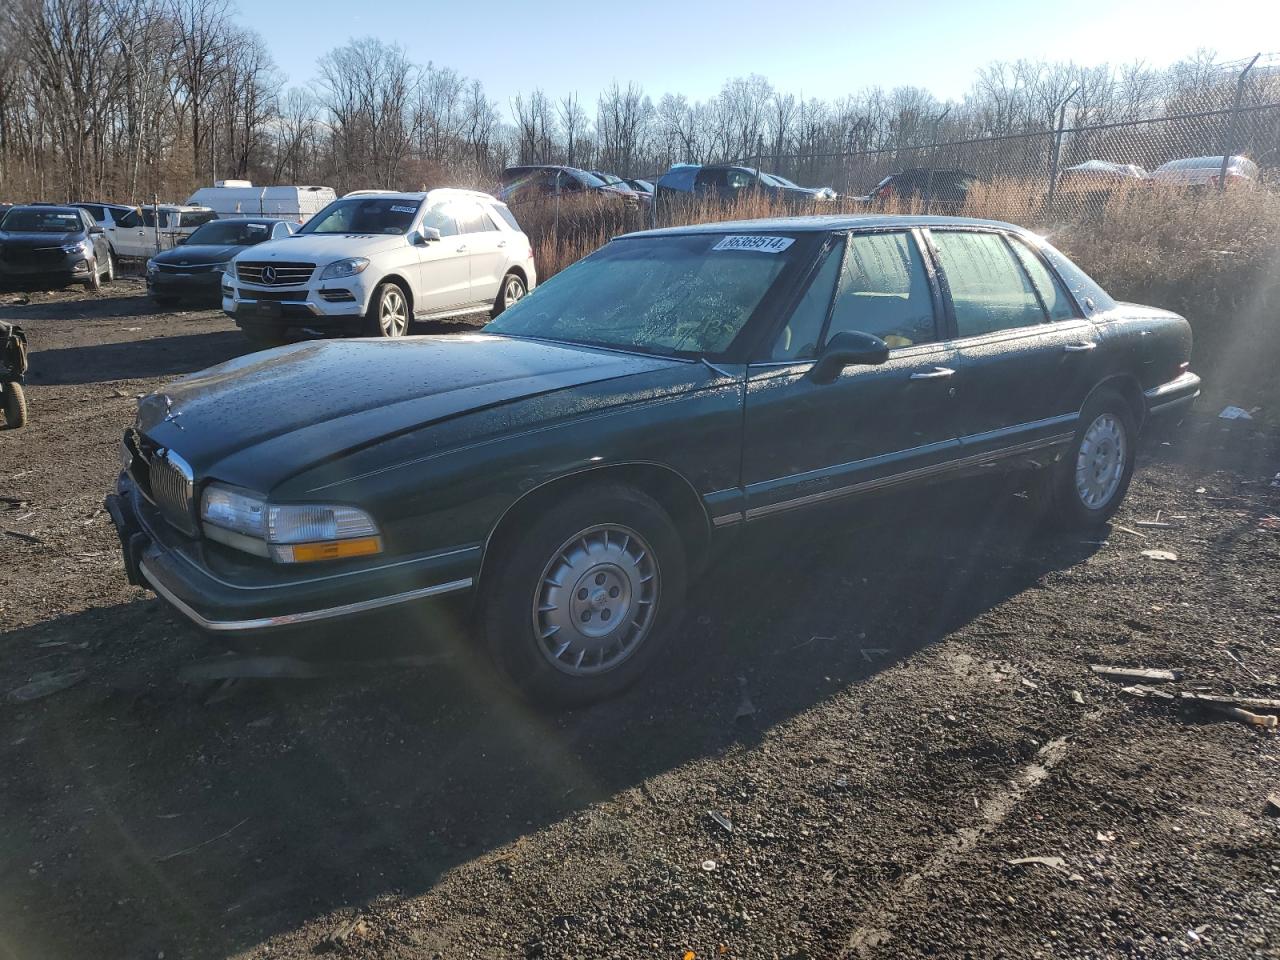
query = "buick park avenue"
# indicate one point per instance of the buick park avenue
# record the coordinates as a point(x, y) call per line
point(566, 471)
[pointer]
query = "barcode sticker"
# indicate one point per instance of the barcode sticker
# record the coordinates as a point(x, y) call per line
point(397, 209)
point(755, 242)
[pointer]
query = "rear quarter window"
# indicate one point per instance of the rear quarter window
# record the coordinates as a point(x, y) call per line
point(505, 215)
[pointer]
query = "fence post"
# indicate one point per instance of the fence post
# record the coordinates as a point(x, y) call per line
point(933, 159)
point(1230, 144)
point(555, 222)
point(1056, 154)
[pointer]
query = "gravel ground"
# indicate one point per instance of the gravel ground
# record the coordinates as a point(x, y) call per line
point(883, 717)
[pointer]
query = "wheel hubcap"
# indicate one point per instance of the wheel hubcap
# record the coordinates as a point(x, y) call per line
point(596, 600)
point(392, 314)
point(513, 292)
point(1100, 464)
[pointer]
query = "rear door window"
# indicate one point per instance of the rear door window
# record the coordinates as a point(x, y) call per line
point(127, 218)
point(884, 290)
point(505, 213)
point(990, 291)
point(98, 213)
point(1053, 294)
point(472, 219)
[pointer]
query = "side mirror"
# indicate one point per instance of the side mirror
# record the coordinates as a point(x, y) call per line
point(425, 235)
point(95, 230)
point(847, 349)
point(180, 239)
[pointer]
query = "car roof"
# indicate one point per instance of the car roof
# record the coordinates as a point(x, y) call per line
point(419, 194)
point(822, 224)
point(48, 207)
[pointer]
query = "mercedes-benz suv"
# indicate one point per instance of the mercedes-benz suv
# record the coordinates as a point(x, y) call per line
point(373, 262)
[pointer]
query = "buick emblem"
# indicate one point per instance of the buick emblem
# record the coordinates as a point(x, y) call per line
point(269, 274)
point(171, 415)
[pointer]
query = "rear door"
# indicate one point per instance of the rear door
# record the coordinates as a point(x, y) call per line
point(444, 265)
point(487, 248)
point(874, 426)
point(1027, 356)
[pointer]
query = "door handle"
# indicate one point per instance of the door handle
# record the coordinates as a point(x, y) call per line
point(462, 248)
point(1083, 347)
point(937, 373)
point(501, 244)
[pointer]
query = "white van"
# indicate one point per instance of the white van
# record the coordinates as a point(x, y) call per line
point(240, 198)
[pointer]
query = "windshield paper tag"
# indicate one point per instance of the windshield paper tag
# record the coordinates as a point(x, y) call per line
point(403, 209)
point(755, 242)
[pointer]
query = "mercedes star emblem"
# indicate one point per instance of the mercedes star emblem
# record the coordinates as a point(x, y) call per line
point(269, 274)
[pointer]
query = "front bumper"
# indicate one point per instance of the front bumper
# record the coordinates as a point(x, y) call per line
point(1173, 397)
point(65, 267)
point(205, 285)
point(243, 598)
point(320, 304)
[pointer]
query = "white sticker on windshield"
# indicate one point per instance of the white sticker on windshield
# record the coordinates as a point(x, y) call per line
point(395, 209)
point(755, 242)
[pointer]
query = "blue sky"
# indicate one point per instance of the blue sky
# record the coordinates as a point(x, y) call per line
point(819, 48)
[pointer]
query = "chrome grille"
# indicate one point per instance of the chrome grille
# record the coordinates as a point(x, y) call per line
point(172, 488)
point(164, 478)
point(275, 274)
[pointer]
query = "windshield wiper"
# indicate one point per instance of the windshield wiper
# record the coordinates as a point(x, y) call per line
point(714, 369)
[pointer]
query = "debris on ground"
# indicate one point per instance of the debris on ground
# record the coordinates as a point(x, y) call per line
point(709, 865)
point(1137, 674)
point(185, 850)
point(723, 821)
point(1273, 804)
point(1269, 522)
point(1248, 703)
point(871, 653)
point(45, 684)
point(1234, 413)
point(1077, 697)
point(357, 927)
point(1146, 693)
point(1131, 531)
point(1155, 524)
point(1168, 556)
point(1262, 720)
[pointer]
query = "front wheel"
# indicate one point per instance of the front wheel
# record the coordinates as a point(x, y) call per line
point(15, 404)
point(109, 274)
point(1087, 487)
point(578, 606)
point(94, 282)
point(512, 290)
point(389, 313)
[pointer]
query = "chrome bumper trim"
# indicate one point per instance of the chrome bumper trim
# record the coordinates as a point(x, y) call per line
point(307, 616)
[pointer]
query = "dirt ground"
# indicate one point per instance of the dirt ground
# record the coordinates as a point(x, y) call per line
point(885, 717)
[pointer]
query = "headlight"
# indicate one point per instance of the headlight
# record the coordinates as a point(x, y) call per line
point(80, 246)
point(287, 533)
point(230, 270)
point(344, 268)
point(151, 266)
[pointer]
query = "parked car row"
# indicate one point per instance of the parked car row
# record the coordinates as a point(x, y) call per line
point(560, 477)
point(728, 182)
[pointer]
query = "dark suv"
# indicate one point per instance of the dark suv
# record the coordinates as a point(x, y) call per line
point(42, 243)
point(940, 189)
point(727, 182)
point(540, 181)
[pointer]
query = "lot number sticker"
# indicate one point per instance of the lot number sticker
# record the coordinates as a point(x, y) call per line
point(755, 242)
point(397, 209)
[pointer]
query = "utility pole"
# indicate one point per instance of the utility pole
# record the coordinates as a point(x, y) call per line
point(1230, 144)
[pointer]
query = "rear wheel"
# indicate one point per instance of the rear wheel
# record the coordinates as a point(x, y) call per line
point(389, 312)
point(15, 405)
point(578, 606)
point(1088, 485)
point(512, 290)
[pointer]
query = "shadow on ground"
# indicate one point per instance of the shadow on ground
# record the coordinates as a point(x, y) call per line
point(225, 822)
point(135, 360)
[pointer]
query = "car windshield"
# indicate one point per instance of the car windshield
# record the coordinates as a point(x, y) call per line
point(231, 233)
point(364, 215)
point(685, 295)
point(41, 220)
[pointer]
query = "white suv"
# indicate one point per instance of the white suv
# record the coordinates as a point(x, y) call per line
point(374, 261)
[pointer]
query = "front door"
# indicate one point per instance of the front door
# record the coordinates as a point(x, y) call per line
point(444, 265)
point(1027, 356)
point(874, 426)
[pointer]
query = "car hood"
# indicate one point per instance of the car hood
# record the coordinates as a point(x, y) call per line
point(322, 247)
point(196, 253)
point(40, 239)
point(263, 417)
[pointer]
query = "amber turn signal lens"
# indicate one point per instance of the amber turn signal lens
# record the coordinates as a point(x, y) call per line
point(328, 550)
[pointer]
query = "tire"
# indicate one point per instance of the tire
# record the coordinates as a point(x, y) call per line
point(389, 312)
point(512, 289)
point(110, 273)
point(15, 405)
point(627, 563)
point(94, 283)
point(1087, 486)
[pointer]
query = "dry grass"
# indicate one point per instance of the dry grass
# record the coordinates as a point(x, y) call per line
point(1214, 257)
